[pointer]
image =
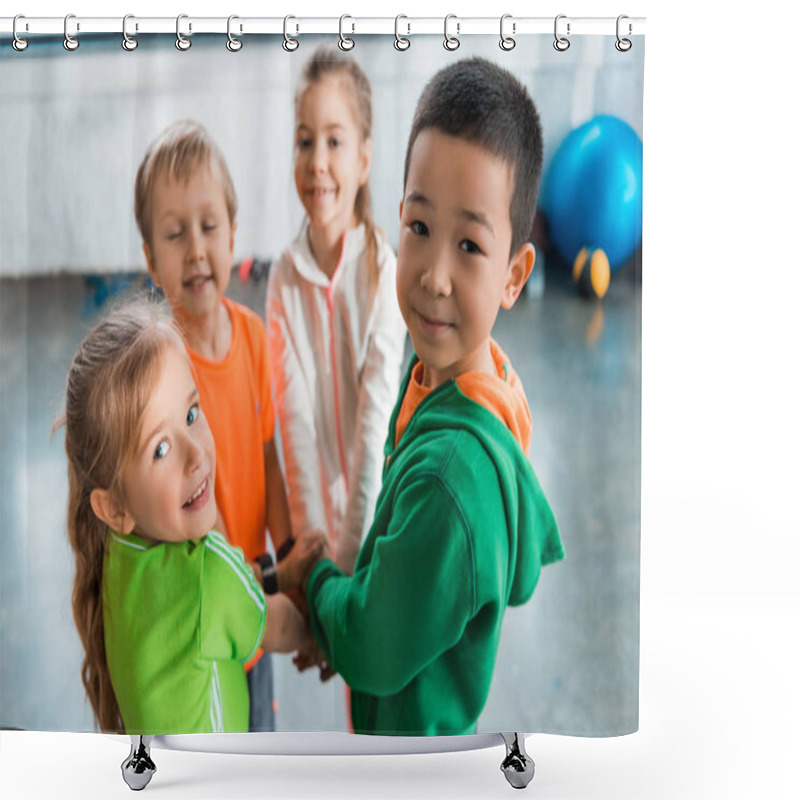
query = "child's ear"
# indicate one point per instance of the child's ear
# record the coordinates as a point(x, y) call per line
point(151, 264)
point(519, 271)
point(107, 510)
point(401, 209)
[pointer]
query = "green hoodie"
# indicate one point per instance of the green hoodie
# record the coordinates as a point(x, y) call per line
point(461, 530)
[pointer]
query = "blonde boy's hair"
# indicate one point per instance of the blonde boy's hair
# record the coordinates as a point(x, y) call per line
point(178, 152)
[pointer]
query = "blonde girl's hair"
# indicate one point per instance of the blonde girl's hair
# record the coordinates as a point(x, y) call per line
point(109, 383)
point(178, 152)
point(330, 62)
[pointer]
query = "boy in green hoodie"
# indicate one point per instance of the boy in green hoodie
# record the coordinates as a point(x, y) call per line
point(462, 527)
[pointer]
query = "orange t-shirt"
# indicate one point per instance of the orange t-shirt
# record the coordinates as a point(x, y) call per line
point(235, 396)
point(502, 394)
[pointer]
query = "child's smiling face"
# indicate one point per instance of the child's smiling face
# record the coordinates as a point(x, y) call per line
point(331, 159)
point(453, 266)
point(191, 253)
point(169, 481)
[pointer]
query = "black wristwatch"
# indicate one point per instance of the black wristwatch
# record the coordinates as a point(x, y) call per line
point(269, 574)
point(285, 549)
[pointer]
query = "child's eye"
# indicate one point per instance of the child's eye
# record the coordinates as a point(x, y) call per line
point(209, 226)
point(162, 448)
point(468, 246)
point(420, 228)
point(303, 144)
point(172, 235)
point(193, 414)
point(334, 142)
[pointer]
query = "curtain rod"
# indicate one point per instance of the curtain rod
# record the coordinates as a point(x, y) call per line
point(75, 25)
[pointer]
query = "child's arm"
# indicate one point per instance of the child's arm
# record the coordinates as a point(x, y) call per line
point(307, 550)
point(278, 523)
point(380, 383)
point(409, 604)
point(289, 574)
point(286, 630)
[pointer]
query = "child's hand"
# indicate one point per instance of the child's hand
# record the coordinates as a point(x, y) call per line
point(325, 552)
point(299, 599)
point(286, 630)
point(312, 656)
point(294, 568)
point(307, 656)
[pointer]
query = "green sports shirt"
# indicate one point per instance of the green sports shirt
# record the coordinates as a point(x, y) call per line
point(181, 619)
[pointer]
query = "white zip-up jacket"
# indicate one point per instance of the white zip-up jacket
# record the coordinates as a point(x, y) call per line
point(336, 351)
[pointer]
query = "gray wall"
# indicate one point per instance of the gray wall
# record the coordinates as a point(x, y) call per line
point(74, 126)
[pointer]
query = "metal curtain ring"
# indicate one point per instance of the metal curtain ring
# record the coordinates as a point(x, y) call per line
point(507, 42)
point(289, 44)
point(561, 43)
point(400, 42)
point(129, 43)
point(345, 43)
point(70, 42)
point(181, 42)
point(18, 43)
point(623, 45)
point(233, 44)
point(451, 42)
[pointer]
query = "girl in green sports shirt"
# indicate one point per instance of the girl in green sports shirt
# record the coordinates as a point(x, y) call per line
point(166, 609)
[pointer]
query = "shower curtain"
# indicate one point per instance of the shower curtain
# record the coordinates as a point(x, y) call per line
point(74, 126)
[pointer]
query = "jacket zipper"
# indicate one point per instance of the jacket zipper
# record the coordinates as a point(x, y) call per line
point(334, 368)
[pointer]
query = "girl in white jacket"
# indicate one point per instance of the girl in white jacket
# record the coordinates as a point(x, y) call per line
point(335, 332)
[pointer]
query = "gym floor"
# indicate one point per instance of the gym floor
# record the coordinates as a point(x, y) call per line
point(568, 660)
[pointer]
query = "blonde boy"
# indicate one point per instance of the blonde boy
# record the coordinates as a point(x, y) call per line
point(462, 526)
point(185, 207)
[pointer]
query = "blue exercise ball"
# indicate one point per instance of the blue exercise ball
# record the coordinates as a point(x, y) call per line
point(593, 191)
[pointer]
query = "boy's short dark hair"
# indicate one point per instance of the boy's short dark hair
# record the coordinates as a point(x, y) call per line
point(484, 104)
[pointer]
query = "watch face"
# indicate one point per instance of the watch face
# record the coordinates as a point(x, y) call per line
point(265, 561)
point(269, 580)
